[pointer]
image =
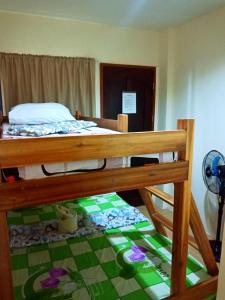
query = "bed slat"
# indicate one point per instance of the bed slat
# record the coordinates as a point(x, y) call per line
point(198, 291)
point(21, 152)
point(35, 192)
point(121, 124)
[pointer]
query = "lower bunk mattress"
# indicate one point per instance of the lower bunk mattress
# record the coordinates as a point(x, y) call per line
point(122, 257)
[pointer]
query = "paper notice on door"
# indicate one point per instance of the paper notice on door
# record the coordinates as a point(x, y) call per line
point(129, 102)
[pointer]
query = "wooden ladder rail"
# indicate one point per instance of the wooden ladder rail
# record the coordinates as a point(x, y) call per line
point(199, 241)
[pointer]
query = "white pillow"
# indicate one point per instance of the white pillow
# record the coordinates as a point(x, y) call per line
point(39, 113)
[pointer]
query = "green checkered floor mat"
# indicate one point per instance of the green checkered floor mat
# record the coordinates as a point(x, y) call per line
point(131, 262)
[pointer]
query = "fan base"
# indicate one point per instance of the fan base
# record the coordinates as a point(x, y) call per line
point(216, 248)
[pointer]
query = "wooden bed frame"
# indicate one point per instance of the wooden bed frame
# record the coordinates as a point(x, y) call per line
point(21, 152)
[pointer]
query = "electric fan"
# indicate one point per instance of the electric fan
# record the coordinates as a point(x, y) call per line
point(213, 171)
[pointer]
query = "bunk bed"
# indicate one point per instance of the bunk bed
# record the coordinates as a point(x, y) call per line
point(32, 193)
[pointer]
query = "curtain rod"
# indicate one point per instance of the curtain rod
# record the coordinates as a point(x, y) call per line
point(47, 56)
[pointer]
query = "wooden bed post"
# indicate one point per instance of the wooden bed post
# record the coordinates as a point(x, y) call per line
point(182, 204)
point(77, 115)
point(6, 286)
point(1, 121)
point(122, 123)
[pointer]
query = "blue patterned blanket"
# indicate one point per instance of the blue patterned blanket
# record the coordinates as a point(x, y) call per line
point(45, 232)
point(51, 128)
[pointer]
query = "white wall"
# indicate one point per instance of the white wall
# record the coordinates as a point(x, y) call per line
point(22, 33)
point(197, 90)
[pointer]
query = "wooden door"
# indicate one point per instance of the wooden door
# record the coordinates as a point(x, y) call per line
point(140, 80)
point(116, 79)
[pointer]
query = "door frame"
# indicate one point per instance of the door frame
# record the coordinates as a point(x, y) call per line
point(102, 100)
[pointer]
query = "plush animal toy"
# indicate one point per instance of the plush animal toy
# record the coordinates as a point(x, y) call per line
point(67, 219)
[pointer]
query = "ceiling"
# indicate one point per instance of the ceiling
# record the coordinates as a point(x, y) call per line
point(140, 14)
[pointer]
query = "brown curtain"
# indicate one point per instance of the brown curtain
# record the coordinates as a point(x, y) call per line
point(36, 78)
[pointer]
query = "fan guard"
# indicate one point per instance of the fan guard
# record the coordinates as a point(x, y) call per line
point(211, 169)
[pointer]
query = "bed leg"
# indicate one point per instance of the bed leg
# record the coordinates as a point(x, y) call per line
point(181, 215)
point(6, 287)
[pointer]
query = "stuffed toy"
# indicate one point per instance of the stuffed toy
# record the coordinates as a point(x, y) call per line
point(67, 219)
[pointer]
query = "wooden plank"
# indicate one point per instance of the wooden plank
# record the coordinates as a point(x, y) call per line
point(6, 290)
point(182, 204)
point(35, 192)
point(202, 239)
point(163, 220)
point(168, 224)
point(121, 124)
point(20, 152)
point(161, 194)
point(6, 287)
point(147, 198)
point(1, 122)
point(198, 291)
point(104, 123)
point(3, 119)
